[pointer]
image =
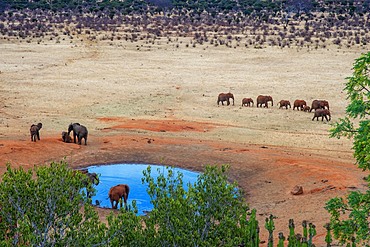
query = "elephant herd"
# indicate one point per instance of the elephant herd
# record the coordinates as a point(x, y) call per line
point(79, 131)
point(321, 107)
point(116, 193)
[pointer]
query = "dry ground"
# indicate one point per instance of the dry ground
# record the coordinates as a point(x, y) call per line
point(158, 105)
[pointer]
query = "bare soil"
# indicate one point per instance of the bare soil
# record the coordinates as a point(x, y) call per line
point(157, 105)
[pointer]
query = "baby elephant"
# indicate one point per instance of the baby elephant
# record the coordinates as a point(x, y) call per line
point(34, 131)
point(306, 108)
point(322, 113)
point(65, 137)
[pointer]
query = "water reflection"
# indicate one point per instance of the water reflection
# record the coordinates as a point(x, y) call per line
point(131, 174)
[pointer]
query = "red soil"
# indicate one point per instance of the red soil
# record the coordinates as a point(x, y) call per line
point(266, 173)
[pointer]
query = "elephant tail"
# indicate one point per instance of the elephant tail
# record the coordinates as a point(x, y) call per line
point(127, 189)
point(110, 193)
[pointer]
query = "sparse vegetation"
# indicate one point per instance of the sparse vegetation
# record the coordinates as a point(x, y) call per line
point(295, 24)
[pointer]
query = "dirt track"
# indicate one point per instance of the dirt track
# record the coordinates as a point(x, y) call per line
point(158, 105)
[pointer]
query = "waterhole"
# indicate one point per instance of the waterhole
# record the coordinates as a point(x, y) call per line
point(131, 174)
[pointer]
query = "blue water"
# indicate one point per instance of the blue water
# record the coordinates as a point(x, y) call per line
point(131, 174)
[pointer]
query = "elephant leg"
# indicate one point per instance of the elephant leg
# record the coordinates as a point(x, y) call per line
point(38, 135)
point(120, 202)
point(125, 201)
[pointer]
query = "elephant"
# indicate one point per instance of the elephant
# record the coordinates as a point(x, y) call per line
point(322, 113)
point(78, 130)
point(247, 102)
point(225, 97)
point(319, 104)
point(34, 131)
point(299, 104)
point(284, 103)
point(324, 104)
point(92, 179)
point(306, 108)
point(88, 179)
point(264, 99)
point(65, 137)
point(116, 193)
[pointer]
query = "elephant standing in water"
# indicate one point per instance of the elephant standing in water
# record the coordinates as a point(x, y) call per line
point(263, 100)
point(88, 180)
point(225, 97)
point(116, 193)
point(78, 130)
point(34, 131)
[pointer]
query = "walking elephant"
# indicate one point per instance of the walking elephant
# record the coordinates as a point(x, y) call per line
point(225, 97)
point(322, 113)
point(319, 104)
point(263, 100)
point(79, 131)
point(299, 104)
point(284, 103)
point(116, 193)
point(247, 102)
point(35, 131)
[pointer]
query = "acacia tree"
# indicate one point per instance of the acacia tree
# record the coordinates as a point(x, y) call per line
point(350, 220)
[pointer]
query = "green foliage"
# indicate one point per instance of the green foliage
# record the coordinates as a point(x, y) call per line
point(45, 207)
point(358, 93)
point(211, 211)
point(350, 217)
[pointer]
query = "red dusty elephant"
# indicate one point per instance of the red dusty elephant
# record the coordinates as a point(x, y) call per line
point(322, 113)
point(247, 102)
point(284, 103)
point(306, 108)
point(319, 104)
point(263, 100)
point(225, 97)
point(116, 193)
point(299, 104)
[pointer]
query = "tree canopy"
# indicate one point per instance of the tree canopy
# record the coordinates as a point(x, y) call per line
point(350, 216)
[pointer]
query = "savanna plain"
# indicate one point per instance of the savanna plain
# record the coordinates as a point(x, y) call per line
point(157, 104)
